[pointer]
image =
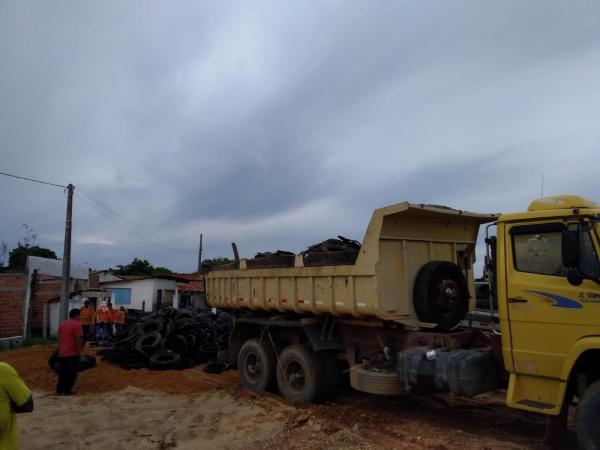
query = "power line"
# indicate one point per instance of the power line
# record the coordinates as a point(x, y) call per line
point(33, 180)
point(106, 212)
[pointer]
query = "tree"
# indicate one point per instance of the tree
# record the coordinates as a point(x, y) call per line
point(27, 246)
point(136, 267)
point(140, 267)
point(17, 260)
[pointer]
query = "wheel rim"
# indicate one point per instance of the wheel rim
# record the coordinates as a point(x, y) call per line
point(253, 368)
point(294, 375)
point(448, 293)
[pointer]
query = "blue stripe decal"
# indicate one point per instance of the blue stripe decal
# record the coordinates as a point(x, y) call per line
point(561, 302)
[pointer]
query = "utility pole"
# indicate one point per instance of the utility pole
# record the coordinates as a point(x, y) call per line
point(200, 255)
point(66, 268)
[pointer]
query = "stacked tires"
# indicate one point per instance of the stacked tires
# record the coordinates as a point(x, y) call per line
point(171, 339)
point(299, 373)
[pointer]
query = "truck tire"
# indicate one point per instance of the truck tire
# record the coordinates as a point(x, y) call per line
point(375, 381)
point(256, 364)
point(440, 294)
point(300, 374)
point(588, 417)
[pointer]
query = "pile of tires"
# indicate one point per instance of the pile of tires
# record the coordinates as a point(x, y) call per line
point(332, 252)
point(171, 339)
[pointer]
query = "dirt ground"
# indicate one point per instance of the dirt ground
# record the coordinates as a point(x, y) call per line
point(189, 409)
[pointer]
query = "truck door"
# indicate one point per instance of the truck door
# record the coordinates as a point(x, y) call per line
point(546, 313)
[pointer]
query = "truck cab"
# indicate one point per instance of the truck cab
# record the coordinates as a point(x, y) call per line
point(547, 279)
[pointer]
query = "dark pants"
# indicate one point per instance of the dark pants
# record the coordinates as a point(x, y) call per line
point(67, 374)
point(87, 333)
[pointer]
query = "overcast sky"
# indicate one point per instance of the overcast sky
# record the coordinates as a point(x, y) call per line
point(280, 124)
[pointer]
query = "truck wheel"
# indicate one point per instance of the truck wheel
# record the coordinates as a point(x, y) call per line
point(256, 364)
point(300, 374)
point(588, 417)
point(375, 381)
point(440, 294)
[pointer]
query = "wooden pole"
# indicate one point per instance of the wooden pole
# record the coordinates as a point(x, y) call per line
point(66, 268)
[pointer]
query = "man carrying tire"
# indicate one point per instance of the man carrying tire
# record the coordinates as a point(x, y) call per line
point(70, 351)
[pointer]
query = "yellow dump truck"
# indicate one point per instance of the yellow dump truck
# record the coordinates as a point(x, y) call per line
point(388, 311)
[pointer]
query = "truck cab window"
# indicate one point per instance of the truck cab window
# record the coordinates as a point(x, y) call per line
point(588, 261)
point(539, 253)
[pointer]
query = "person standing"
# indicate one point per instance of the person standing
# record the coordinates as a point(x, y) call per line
point(120, 320)
point(102, 321)
point(15, 398)
point(70, 350)
point(111, 320)
point(87, 319)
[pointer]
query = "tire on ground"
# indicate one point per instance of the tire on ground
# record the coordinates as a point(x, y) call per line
point(588, 417)
point(215, 366)
point(256, 365)
point(440, 294)
point(300, 374)
point(164, 360)
point(375, 382)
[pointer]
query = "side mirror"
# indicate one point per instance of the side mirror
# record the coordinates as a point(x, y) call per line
point(570, 248)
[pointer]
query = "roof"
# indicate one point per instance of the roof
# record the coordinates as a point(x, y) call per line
point(555, 207)
point(77, 292)
point(193, 286)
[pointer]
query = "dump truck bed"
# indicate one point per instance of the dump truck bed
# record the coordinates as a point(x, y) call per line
point(400, 239)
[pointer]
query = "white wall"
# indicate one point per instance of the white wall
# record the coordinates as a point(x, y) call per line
point(142, 290)
point(53, 310)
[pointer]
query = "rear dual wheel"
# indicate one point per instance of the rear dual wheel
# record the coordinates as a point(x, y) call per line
point(305, 376)
point(300, 374)
point(256, 364)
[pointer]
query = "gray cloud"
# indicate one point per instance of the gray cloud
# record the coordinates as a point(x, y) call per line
point(279, 124)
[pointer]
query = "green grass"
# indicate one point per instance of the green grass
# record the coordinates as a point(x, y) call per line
point(29, 342)
point(37, 341)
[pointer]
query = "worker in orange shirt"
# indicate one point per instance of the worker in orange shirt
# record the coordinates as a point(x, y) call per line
point(87, 320)
point(103, 320)
point(111, 318)
point(119, 319)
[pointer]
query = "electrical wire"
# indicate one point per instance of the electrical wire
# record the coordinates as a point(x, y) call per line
point(106, 212)
point(32, 180)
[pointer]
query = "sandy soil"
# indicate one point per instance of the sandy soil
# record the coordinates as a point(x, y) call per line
point(119, 409)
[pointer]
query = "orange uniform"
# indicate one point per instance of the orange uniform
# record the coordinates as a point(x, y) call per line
point(103, 315)
point(119, 317)
point(86, 315)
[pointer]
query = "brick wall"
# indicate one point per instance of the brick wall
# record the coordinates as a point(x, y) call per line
point(12, 293)
point(45, 288)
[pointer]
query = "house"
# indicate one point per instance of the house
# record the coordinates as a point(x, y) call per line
point(152, 292)
point(76, 299)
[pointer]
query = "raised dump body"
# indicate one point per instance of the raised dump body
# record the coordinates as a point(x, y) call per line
point(400, 240)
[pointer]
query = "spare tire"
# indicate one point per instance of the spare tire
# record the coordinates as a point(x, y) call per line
point(440, 294)
point(380, 382)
